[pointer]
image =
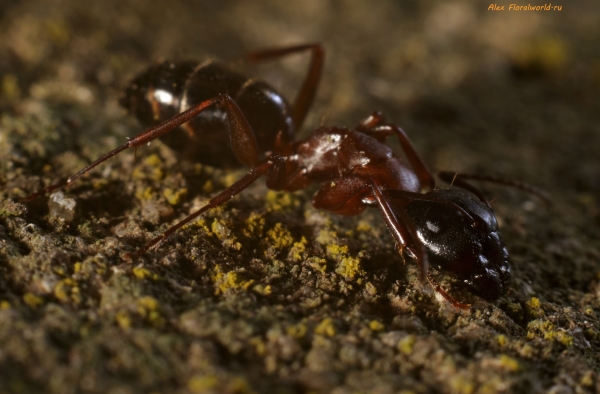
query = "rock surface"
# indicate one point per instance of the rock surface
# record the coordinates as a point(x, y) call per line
point(266, 293)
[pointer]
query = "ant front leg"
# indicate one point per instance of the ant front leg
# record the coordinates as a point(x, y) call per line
point(243, 141)
point(306, 95)
point(402, 230)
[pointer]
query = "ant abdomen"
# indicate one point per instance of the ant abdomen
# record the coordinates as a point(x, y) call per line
point(169, 88)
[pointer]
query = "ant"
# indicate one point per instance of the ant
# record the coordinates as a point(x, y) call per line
point(228, 118)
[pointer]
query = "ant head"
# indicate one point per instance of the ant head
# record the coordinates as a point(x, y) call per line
point(469, 249)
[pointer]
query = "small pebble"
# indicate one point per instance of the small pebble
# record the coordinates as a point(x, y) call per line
point(61, 207)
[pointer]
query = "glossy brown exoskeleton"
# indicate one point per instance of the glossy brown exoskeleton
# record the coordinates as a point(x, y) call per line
point(227, 119)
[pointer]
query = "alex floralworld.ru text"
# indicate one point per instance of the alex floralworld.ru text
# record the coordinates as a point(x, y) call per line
point(528, 7)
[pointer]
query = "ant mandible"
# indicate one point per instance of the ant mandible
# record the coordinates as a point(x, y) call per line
point(228, 118)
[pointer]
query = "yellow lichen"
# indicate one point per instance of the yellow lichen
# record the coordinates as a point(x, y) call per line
point(221, 229)
point(527, 351)
point(59, 271)
point(376, 325)
point(123, 319)
point(502, 340)
point(9, 86)
point(67, 290)
point(371, 289)
point(4, 305)
point(317, 264)
point(232, 177)
point(259, 346)
point(298, 250)
point(550, 54)
point(587, 380)
point(32, 300)
point(229, 281)
point(201, 384)
point(406, 344)
point(150, 169)
point(57, 31)
point(153, 160)
point(201, 223)
point(144, 194)
point(174, 197)
point(462, 385)
point(508, 363)
point(326, 328)
point(326, 237)
point(277, 201)
point(363, 226)
point(144, 273)
point(311, 303)
point(149, 309)
point(262, 289)
point(147, 303)
point(279, 237)
point(348, 266)
point(535, 307)
point(208, 187)
point(297, 330)
point(98, 184)
point(238, 385)
point(335, 250)
point(255, 225)
point(560, 337)
point(547, 330)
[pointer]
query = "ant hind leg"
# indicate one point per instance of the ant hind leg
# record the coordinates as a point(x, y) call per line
point(273, 168)
point(243, 141)
point(373, 127)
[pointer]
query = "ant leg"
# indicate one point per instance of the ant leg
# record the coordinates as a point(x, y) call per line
point(375, 119)
point(425, 271)
point(273, 167)
point(453, 178)
point(242, 137)
point(458, 180)
point(446, 296)
point(343, 196)
point(401, 232)
point(306, 95)
point(346, 196)
point(382, 131)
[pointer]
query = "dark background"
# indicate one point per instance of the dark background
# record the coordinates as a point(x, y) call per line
point(507, 93)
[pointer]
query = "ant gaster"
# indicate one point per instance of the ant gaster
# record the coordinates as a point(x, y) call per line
point(228, 118)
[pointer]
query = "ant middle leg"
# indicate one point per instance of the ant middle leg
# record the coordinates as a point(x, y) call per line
point(243, 141)
point(307, 91)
